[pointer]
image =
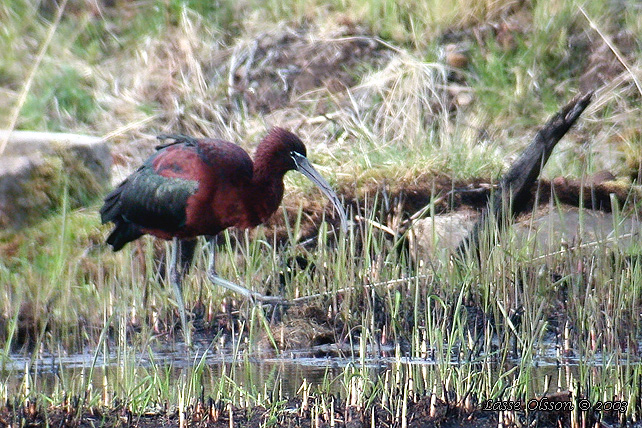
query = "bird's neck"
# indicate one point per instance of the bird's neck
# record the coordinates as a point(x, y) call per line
point(267, 192)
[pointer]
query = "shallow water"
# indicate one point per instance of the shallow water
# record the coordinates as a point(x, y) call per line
point(323, 366)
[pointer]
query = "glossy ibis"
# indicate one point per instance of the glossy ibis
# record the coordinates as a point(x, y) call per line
point(192, 187)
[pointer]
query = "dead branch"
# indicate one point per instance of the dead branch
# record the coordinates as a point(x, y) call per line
point(513, 194)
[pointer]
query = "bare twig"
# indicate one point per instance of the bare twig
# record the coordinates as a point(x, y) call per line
point(32, 73)
point(614, 49)
point(376, 224)
point(130, 126)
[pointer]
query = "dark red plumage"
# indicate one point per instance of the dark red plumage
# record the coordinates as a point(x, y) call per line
point(198, 187)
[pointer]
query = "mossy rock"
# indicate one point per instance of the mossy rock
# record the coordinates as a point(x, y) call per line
point(43, 172)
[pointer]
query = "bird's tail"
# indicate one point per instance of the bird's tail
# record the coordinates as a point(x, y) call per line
point(123, 233)
point(110, 211)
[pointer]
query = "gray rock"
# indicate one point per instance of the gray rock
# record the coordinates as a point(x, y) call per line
point(38, 170)
point(555, 227)
point(441, 233)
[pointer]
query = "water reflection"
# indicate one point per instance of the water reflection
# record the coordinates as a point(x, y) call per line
point(328, 367)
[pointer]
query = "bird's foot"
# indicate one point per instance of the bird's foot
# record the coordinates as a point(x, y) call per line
point(251, 295)
point(272, 300)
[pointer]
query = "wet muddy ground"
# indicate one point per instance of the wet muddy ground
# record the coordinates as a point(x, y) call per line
point(211, 415)
point(291, 416)
point(295, 413)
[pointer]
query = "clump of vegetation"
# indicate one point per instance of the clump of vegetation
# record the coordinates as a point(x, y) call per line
point(60, 180)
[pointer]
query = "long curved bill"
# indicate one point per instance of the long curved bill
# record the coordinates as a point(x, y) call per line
point(304, 166)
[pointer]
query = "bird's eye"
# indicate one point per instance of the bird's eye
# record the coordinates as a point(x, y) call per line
point(294, 155)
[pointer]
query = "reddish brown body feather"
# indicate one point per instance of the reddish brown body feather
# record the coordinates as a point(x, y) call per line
point(232, 191)
point(195, 187)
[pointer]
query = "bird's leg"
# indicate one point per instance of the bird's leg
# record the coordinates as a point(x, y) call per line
point(176, 278)
point(217, 280)
point(188, 247)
